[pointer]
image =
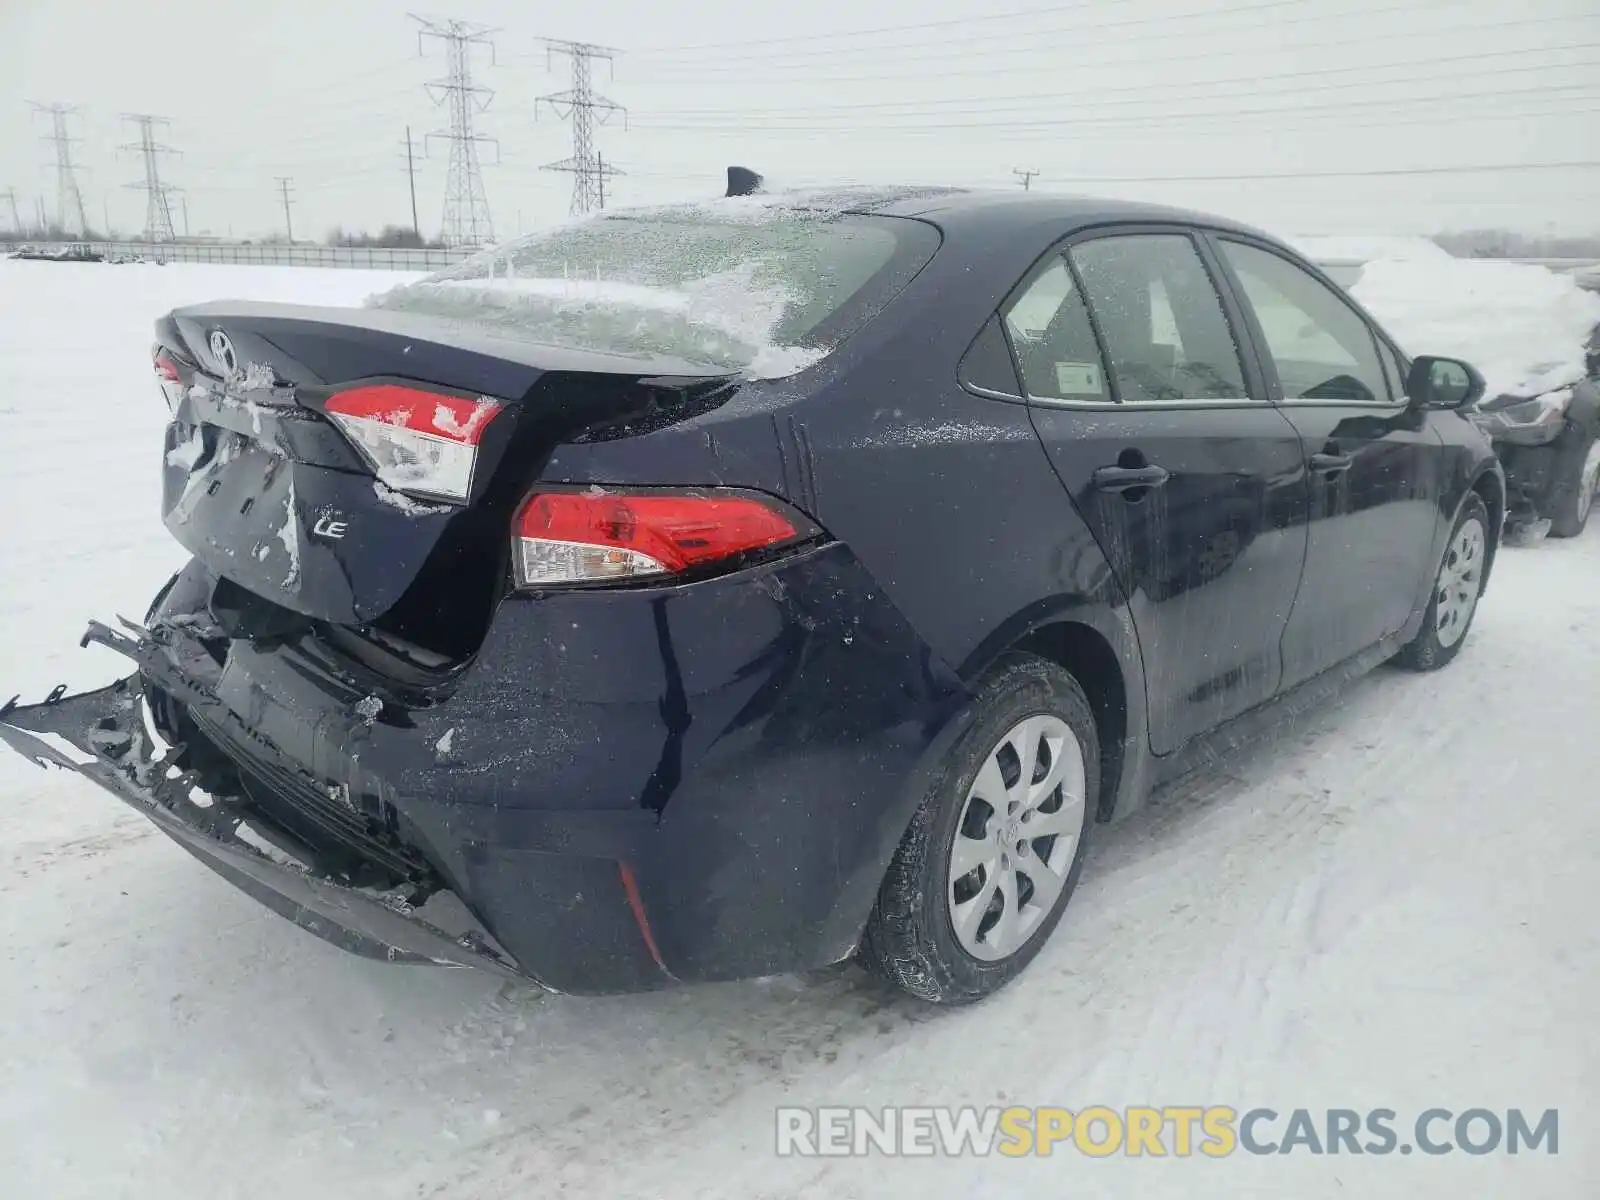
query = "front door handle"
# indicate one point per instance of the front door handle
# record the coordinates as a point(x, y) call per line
point(1125, 479)
point(1324, 463)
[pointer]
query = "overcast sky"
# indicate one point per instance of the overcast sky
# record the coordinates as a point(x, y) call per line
point(1287, 100)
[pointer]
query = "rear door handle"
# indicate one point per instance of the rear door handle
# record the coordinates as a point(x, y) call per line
point(1324, 463)
point(1125, 479)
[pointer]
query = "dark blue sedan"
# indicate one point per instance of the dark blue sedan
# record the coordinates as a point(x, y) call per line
point(716, 590)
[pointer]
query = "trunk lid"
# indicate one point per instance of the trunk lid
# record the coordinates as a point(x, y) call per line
point(276, 499)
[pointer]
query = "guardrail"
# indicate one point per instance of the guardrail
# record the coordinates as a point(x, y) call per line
point(377, 258)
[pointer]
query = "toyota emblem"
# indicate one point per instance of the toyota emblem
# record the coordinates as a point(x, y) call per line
point(222, 351)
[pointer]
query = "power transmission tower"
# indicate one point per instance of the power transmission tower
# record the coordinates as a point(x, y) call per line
point(585, 108)
point(158, 201)
point(285, 182)
point(16, 216)
point(466, 206)
point(1026, 176)
point(70, 216)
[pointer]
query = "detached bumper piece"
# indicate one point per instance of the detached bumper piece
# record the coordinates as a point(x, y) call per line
point(102, 736)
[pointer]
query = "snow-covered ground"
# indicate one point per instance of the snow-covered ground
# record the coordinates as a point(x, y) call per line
point(1392, 905)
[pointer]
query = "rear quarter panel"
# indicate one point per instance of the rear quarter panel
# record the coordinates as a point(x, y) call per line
point(947, 498)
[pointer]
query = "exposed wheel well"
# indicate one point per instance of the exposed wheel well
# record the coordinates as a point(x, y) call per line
point(1493, 494)
point(1084, 653)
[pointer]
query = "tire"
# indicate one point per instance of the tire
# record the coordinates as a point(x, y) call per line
point(1570, 513)
point(911, 938)
point(1462, 572)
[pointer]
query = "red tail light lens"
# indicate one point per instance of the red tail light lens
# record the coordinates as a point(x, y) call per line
point(419, 442)
point(595, 536)
point(168, 376)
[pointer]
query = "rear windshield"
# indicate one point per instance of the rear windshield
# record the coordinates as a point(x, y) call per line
point(761, 290)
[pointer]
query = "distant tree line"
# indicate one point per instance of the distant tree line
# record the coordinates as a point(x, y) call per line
point(1503, 243)
point(399, 236)
point(53, 234)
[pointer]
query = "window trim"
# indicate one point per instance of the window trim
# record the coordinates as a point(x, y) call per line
point(978, 389)
point(1263, 349)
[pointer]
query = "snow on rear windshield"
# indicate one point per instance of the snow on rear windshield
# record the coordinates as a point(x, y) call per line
point(763, 290)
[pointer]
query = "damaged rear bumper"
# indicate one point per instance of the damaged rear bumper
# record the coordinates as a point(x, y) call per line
point(107, 731)
point(623, 790)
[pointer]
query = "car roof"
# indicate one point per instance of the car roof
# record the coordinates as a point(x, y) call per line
point(975, 210)
point(983, 205)
point(961, 210)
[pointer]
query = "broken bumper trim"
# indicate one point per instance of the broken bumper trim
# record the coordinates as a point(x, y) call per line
point(107, 730)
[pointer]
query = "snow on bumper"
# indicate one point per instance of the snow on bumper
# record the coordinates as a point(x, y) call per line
point(101, 735)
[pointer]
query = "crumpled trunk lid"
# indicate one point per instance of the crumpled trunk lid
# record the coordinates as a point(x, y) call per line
point(265, 489)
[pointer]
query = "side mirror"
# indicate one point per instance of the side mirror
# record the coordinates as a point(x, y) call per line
point(1443, 383)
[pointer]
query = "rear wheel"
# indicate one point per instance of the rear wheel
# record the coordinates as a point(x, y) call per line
point(1455, 592)
point(994, 852)
point(1571, 511)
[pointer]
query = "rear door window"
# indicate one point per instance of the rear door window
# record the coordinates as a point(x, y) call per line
point(1321, 347)
point(1164, 327)
point(1054, 342)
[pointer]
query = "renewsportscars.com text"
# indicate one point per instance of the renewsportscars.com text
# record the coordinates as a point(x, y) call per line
point(1179, 1131)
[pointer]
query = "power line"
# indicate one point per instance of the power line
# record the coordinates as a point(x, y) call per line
point(158, 204)
point(70, 216)
point(585, 108)
point(1077, 181)
point(1484, 168)
point(286, 182)
point(1025, 177)
point(466, 204)
point(1436, 111)
point(916, 26)
point(1000, 120)
point(889, 66)
point(1015, 41)
point(1093, 93)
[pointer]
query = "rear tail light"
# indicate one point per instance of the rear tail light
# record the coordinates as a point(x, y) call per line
point(419, 442)
point(599, 537)
point(168, 376)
